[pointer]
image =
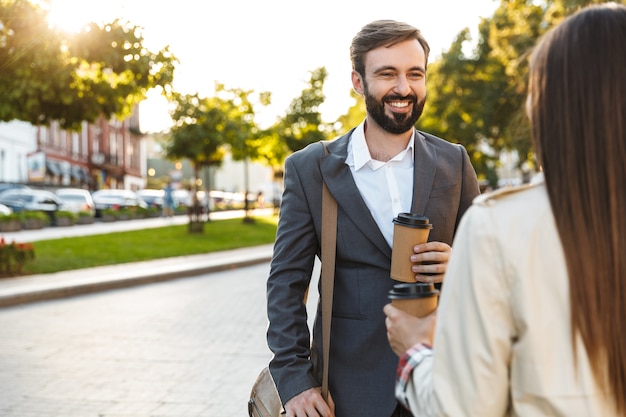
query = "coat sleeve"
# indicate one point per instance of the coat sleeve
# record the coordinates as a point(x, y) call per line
point(467, 372)
point(295, 248)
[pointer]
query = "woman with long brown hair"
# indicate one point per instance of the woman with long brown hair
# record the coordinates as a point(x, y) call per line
point(532, 319)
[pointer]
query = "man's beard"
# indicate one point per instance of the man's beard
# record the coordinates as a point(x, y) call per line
point(400, 122)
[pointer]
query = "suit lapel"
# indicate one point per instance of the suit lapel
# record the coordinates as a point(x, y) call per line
point(425, 167)
point(343, 188)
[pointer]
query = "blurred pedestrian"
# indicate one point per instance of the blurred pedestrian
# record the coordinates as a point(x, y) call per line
point(531, 319)
point(260, 199)
point(379, 169)
point(168, 200)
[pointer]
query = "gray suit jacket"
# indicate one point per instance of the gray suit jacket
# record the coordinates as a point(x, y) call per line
point(362, 365)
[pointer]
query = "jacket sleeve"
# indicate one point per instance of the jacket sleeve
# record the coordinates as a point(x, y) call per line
point(295, 248)
point(466, 373)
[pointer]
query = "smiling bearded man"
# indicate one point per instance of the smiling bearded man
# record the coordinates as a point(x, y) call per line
point(380, 168)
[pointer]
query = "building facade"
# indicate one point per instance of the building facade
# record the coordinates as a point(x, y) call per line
point(104, 154)
point(17, 140)
point(112, 154)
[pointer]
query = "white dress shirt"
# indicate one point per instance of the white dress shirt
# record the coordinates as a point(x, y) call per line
point(386, 187)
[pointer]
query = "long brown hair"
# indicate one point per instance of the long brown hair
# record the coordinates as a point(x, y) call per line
point(577, 107)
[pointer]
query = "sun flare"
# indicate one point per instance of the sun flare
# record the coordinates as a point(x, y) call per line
point(73, 15)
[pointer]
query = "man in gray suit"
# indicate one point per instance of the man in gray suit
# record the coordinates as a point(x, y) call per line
point(381, 168)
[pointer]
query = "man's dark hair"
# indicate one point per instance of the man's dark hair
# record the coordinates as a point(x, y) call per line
point(382, 33)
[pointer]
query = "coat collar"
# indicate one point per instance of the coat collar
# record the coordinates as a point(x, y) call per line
point(343, 188)
point(425, 168)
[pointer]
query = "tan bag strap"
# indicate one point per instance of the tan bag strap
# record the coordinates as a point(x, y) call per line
point(329, 242)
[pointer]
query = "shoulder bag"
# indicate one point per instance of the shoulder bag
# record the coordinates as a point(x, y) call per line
point(264, 399)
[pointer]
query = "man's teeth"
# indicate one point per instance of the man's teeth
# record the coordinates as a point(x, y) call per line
point(398, 104)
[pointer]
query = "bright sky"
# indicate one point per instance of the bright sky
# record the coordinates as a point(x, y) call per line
point(267, 45)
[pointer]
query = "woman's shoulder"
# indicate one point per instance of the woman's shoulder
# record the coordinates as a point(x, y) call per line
point(520, 195)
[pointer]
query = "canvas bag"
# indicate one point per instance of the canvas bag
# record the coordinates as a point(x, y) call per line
point(264, 399)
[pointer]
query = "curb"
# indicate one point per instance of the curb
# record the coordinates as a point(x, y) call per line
point(72, 283)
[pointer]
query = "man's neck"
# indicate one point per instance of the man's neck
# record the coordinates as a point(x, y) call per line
point(383, 145)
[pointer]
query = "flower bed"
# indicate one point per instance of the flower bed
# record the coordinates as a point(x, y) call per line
point(13, 256)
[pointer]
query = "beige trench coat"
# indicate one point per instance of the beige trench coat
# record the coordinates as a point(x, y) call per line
point(503, 344)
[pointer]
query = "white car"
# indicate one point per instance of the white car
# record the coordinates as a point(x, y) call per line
point(116, 199)
point(153, 198)
point(4, 210)
point(76, 200)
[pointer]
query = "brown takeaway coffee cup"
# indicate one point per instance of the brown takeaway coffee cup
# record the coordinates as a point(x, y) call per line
point(418, 299)
point(409, 229)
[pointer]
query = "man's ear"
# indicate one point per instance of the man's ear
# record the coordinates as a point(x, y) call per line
point(357, 83)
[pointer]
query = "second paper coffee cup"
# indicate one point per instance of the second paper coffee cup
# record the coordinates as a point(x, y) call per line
point(418, 299)
point(409, 229)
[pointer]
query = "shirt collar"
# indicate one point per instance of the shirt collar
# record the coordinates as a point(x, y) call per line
point(360, 154)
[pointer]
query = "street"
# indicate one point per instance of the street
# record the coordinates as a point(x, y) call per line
point(188, 347)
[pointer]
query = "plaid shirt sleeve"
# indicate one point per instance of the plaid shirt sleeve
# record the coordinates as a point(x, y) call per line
point(408, 362)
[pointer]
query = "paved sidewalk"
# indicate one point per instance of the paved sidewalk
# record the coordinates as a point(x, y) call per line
point(32, 288)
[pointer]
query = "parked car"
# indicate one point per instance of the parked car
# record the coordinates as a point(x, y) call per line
point(115, 199)
point(29, 199)
point(153, 198)
point(12, 185)
point(76, 200)
point(4, 210)
point(183, 197)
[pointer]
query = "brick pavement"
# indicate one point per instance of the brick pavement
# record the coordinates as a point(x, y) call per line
point(188, 347)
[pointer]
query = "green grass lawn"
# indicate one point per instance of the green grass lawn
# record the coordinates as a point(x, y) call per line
point(143, 245)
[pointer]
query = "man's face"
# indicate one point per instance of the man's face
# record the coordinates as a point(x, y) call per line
point(394, 86)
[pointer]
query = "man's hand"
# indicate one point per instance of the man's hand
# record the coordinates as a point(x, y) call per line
point(430, 261)
point(405, 331)
point(310, 403)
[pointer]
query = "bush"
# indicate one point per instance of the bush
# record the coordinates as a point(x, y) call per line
point(63, 214)
point(34, 219)
point(13, 256)
point(110, 214)
point(85, 213)
point(10, 222)
point(10, 217)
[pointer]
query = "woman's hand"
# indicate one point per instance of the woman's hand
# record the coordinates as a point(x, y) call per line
point(405, 331)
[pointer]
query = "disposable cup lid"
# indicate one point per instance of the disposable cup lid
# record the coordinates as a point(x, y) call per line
point(413, 290)
point(413, 220)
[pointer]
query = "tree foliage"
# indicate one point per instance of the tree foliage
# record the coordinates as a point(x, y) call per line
point(206, 128)
point(198, 129)
point(46, 74)
point(477, 98)
point(302, 124)
point(354, 116)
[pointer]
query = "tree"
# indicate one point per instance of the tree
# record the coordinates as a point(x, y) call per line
point(205, 129)
point(354, 116)
point(302, 123)
point(197, 132)
point(48, 75)
point(477, 99)
point(245, 142)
